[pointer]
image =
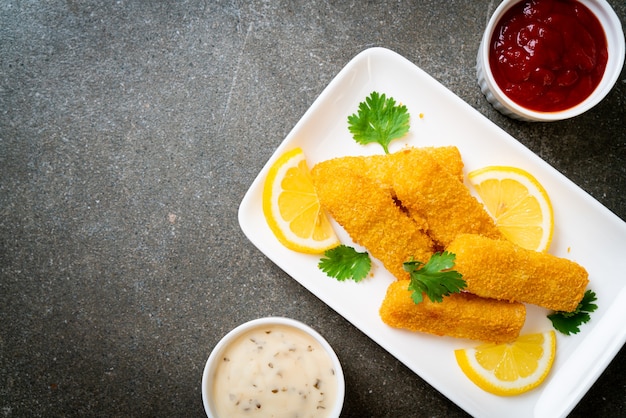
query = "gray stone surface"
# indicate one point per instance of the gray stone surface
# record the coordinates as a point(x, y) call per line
point(129, 133)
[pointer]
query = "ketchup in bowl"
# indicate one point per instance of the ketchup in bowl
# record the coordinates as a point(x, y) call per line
point(548, 55)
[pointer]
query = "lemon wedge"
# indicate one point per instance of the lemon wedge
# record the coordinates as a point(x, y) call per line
point(511, 368)
point(292, 209)
point(518, 203)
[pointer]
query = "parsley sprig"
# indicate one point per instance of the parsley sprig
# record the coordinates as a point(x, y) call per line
point(344, 262)
point(380, 120)
point(569, 322)
point(435, 278)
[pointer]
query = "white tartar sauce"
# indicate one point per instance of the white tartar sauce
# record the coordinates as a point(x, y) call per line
point(275, 371)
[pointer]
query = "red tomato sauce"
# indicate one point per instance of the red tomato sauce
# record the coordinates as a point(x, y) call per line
point(548, 55)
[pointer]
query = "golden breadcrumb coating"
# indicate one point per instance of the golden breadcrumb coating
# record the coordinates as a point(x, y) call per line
point(427, 183)
point(500, 269)
point(422, 184)
point(384, 167)
point(429, 192)
point(460, 315)
point(367, 211)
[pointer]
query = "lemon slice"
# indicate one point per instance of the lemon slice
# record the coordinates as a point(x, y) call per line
point(518, 203)
point(292, 209)
point(511, 368)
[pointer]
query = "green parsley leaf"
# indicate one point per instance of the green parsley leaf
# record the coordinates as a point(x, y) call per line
point(345, 262)
point(434, 278)
point(380, 120)
point(569, 322)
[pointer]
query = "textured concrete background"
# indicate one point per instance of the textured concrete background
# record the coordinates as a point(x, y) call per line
point(129, 133)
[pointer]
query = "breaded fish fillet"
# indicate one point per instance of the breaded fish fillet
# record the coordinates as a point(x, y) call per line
point(384, 167)
point(460, 315)
point(371, 217)
point(500, 269)
point(430, 192)
point(428, 183)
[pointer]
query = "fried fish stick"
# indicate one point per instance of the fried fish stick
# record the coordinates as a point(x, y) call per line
point(384, 167)
point(500, 269)
point(460, 315)
point(429, 192)
point(371, 217)
point(448, 158)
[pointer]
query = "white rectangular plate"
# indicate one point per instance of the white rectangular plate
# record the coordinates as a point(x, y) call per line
point(585, 232)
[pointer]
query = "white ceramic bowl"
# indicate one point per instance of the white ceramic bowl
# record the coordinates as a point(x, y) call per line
point(615, 43)
point(208, 377)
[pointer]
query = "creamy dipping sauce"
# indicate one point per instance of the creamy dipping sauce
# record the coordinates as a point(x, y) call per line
point(275, 371)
